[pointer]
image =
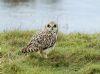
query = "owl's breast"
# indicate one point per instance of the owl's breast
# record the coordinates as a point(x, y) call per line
point(50, 40)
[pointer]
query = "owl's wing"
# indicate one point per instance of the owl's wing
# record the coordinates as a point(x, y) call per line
point(41, 40)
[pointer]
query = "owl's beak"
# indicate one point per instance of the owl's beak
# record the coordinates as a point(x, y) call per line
point(52, 28)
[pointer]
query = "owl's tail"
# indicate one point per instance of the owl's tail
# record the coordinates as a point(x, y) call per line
point(24, 50)
point(28, 48)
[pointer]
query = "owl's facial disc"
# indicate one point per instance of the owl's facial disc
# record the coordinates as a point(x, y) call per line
point(52, 27)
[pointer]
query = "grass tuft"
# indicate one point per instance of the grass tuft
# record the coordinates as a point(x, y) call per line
point(74, 53)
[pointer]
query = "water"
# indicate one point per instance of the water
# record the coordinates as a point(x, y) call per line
point(71, 15)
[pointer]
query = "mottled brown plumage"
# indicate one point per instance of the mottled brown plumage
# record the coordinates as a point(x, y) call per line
point(43, 40)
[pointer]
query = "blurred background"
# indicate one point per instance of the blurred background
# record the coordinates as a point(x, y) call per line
point(71, 15)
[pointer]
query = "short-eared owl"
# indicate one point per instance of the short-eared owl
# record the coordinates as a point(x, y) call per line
point(43, 40)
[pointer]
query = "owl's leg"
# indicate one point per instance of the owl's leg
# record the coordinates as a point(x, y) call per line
point(39, 53)
point(43, 54)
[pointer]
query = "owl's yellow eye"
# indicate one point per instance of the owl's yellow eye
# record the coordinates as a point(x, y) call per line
point(48, 26)
point(55, 26)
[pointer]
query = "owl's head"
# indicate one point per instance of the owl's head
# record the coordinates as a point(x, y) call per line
point(52, 27)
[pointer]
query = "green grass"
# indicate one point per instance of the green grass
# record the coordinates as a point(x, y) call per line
point(74, 53)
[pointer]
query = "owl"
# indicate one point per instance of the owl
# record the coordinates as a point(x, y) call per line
point(43, 40)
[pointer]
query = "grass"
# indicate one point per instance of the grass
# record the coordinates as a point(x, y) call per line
point(74, 53)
